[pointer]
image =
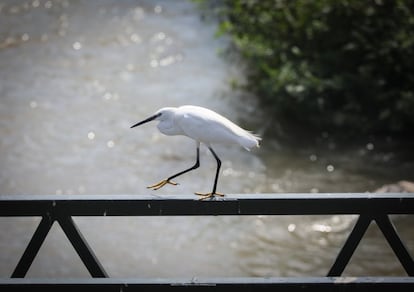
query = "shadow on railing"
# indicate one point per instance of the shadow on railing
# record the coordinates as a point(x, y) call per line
point(57, 208)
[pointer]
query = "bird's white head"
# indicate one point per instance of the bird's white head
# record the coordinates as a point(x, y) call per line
point(167, 124)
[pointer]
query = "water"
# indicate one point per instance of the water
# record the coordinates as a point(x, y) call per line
point(75, 75)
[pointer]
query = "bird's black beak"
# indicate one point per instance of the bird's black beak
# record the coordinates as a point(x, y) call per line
point(147, 120)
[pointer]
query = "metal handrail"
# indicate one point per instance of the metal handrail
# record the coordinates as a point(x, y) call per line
point(61, 208)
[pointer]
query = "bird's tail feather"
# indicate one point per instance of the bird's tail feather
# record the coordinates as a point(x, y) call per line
point(249, 141)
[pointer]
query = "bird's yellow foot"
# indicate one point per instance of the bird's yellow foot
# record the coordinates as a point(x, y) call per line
point(161, 184)
point(204, 196)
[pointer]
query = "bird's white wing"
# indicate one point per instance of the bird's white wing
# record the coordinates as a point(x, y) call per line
point(209, 127)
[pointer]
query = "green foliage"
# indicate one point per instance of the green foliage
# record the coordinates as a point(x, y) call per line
point(327, 64)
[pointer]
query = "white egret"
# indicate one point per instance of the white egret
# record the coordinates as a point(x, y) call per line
point(204, 126)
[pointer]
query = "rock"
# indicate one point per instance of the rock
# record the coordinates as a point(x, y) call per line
point(402, 186)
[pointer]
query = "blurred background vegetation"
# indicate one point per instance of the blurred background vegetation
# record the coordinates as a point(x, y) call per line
point(342, 66)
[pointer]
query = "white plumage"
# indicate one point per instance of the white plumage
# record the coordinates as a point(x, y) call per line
point(204, 126)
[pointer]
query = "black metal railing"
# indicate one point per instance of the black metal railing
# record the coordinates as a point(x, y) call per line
point(371, 207)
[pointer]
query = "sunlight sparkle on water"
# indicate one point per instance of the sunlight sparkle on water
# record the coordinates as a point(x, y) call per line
point(135, 38)
point(158, 9)
point(370, 146)
point(313, 157)
point(159, 36)
point(91, 135)
point(154, 63)
point(25, 37)
point(167, 61)
point(77, 46)
point(321, 227)
point(48, 4)
point(291, 227)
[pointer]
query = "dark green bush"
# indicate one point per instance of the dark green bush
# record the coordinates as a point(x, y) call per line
point(327, 64)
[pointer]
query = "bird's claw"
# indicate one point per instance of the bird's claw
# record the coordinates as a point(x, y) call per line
point(204, 196)
point(161, 184)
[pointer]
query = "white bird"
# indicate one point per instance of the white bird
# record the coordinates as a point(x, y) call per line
point(204, 126)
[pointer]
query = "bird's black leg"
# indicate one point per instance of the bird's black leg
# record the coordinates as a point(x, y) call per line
point(213, 193)
point(168, 180)
point(217, 170)
point(196, 165)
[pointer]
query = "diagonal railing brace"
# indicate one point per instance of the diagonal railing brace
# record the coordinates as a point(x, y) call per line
point(390, 233)
point(350, 245)
point(33, 247)
point(74, 235)
point(81, 246)
point(394, 240)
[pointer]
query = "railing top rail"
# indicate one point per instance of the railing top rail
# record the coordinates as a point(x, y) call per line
point(231, 204)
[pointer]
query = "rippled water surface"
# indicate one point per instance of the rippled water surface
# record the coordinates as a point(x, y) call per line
point(75, 75)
